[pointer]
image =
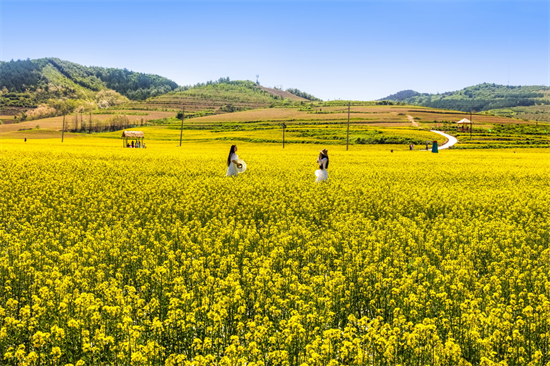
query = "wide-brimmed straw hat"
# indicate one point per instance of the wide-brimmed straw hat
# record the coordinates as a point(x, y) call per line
point(324, 152)
point(243, 166)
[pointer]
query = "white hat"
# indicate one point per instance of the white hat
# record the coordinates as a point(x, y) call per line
point(243, 166)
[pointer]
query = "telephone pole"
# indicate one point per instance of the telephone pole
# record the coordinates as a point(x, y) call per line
point(347, 140)
point(63, 128)
point(471, 124)
point(182, 117)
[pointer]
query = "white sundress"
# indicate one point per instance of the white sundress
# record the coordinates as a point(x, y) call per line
point(321, 174)
point(232, 168)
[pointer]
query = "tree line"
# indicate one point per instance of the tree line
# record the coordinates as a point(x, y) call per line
point(482, 97)
point(482, 105)
point(302, 94)
point(85, 123)
point(247, 84)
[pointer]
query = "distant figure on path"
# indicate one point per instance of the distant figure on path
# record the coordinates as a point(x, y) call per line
point(322, 160)
point(232, 163)
point(25, 139)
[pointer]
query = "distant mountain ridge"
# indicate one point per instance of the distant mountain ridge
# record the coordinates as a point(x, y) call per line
point(531, 102)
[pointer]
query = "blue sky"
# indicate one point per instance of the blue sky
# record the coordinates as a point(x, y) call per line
point(359, 50)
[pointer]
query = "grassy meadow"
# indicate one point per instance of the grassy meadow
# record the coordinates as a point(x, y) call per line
point(153, 257)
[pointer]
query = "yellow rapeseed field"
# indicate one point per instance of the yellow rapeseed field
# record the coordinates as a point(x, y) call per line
point(112, 256)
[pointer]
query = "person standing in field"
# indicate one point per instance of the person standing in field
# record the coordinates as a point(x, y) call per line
point(232, 163)
point(322, 160)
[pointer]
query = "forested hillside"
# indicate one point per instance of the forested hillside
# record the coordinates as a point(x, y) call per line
point(26, 83)
point(134, 85)
point(529, 102)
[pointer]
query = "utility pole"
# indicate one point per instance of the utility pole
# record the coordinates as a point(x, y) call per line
point(63, 128)
point(284, 127)
point(347, 141)
point(471, 124)
point(182, 117)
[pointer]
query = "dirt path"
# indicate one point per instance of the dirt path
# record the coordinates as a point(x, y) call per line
point(413, 122)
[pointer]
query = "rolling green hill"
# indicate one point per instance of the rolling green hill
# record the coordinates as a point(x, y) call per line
point(218, 97)
point(27, 83)
point(524, 102)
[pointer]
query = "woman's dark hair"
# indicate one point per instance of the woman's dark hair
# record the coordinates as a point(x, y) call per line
point(321, 156)
point(231, 151)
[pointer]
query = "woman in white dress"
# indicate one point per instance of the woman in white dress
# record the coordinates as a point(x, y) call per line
point(232, 163)
point(322, 160)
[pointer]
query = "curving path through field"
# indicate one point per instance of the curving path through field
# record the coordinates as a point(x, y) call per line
point(451, 140)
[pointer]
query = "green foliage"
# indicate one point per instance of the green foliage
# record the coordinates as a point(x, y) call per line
point(231, 108)
point(64, 106)
point(134, 85)
point(379, 137)
point(226, 96)
point(302, 94)
point(223, 95)
point(26, 100)
point(18, 76)
point(540, 112)
point(523, 129)
point(53, 76)
point(225, 80)
point(403, 95)
point(505, 136)
point(482, 97)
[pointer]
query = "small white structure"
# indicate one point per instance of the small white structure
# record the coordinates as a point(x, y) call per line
point(464, 124)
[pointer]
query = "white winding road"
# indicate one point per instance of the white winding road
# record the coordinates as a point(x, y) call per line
point(451, 140)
